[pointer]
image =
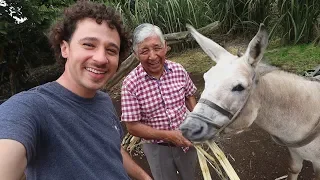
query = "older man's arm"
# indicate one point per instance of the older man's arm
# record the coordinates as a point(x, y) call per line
point(13, 159)
point(139, 129)
point(191, 102)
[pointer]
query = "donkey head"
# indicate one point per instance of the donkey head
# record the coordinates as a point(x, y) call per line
point(227, 87)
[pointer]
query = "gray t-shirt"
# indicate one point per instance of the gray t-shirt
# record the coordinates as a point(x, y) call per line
point(65, 136)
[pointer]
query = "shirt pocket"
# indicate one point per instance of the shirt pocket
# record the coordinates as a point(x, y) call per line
point(151, 103)
point(175, 97)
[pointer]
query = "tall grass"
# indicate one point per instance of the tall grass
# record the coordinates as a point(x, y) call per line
point(293, 20)
point(241, 15)
point(294, 58)
point(297, 19)
point(170, 15)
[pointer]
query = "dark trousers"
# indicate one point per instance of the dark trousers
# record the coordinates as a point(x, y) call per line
point(170, 162)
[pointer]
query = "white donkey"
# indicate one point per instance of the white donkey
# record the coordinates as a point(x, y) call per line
point(239, 91)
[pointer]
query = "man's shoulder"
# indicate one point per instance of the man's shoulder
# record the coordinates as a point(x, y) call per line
point(25, 104)
point(31, 98)
point(133, 76)
point(175, 67)
point(26, 96)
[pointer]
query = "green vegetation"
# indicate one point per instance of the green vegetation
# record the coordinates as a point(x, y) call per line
point(194, 61)
point(23, 45)
point(296, 20)
point(23, 42)
point(297, 59)
point(291, 20)
point(170, 15)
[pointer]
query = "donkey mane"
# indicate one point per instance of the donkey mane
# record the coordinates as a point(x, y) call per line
point(263, 69)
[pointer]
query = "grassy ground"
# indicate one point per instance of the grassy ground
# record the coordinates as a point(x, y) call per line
point(194, 61)
point(296, 59)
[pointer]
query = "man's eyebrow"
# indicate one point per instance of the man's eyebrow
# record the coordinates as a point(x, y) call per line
point(96, 39)
point(115, 46)
point(89, 39)
point(144, 48)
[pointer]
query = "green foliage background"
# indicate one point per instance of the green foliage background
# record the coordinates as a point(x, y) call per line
point(24, 45)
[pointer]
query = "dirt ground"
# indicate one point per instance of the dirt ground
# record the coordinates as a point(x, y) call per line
point(252, 154)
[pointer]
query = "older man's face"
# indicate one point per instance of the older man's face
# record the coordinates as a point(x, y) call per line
point(151, 52)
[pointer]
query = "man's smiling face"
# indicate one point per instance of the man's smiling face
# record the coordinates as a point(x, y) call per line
point(92, 56)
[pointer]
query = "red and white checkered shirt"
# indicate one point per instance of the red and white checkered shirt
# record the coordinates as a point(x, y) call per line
point(157, 103)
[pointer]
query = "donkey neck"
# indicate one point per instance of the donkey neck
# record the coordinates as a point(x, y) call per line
point(287, 104)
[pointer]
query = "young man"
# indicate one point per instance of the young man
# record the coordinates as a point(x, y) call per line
point(155, 99)
point(68, 129)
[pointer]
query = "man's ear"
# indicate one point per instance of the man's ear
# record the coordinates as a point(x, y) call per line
point(167, 48)
point(135, 54)
point(64, 47)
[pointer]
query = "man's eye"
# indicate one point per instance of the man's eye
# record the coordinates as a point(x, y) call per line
point(112, 52)
point(144, 52)
point(88, 45)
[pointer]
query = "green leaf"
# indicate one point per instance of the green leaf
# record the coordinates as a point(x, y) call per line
point(3, 32)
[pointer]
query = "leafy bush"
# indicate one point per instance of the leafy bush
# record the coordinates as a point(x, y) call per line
point(23, 43)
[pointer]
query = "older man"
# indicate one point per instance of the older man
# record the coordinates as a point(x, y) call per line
point(155, 99)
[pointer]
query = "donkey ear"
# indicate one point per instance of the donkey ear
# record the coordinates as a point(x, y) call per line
point(212, 49)
point(257, 46)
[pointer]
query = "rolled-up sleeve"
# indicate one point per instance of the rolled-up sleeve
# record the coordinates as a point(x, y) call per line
point(190, 88)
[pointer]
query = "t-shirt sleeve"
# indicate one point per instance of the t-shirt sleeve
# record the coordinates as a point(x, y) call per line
point(130, 109)
point(19, 121)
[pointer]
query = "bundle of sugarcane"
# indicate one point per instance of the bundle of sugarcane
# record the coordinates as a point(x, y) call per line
point(204, 158)
point(130, 142)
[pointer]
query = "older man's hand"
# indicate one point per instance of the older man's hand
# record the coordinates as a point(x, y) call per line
point(178, 139)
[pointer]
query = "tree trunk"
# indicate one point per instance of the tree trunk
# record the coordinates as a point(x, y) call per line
point(13, 82)
point(179, 37)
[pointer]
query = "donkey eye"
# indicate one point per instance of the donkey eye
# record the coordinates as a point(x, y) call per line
point(238, 87)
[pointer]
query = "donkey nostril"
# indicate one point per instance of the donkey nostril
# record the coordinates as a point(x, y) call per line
point(198, 131)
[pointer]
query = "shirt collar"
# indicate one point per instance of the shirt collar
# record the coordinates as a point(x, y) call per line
point(166, 65)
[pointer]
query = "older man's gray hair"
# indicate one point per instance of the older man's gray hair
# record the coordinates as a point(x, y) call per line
point(144, 31)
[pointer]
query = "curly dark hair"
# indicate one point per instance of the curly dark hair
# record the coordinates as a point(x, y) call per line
point(64, 28)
